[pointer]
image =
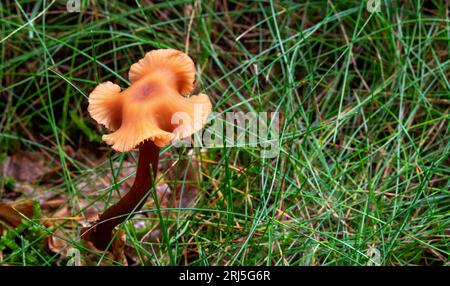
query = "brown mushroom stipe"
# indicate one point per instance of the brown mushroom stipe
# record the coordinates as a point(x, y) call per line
point(151, 113)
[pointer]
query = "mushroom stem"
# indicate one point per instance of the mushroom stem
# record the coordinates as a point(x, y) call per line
point(101, 235)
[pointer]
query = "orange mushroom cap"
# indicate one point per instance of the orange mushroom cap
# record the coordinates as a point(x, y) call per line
point(153, 107)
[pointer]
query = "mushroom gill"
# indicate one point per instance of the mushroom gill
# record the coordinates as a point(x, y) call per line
point(153, 107)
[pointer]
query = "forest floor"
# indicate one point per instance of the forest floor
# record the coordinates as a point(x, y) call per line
point(360, 176)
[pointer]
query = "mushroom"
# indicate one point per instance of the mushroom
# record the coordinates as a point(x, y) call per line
point(150, 114)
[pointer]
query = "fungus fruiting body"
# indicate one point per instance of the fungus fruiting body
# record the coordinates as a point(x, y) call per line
point(151, 113)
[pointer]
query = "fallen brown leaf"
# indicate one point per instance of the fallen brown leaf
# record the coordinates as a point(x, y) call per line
point(26, 166)
point(12, 214)
point(60, 242)
point(57, 242)
point(116, 251)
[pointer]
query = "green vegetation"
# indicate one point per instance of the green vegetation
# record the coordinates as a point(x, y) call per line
point(362, 176)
